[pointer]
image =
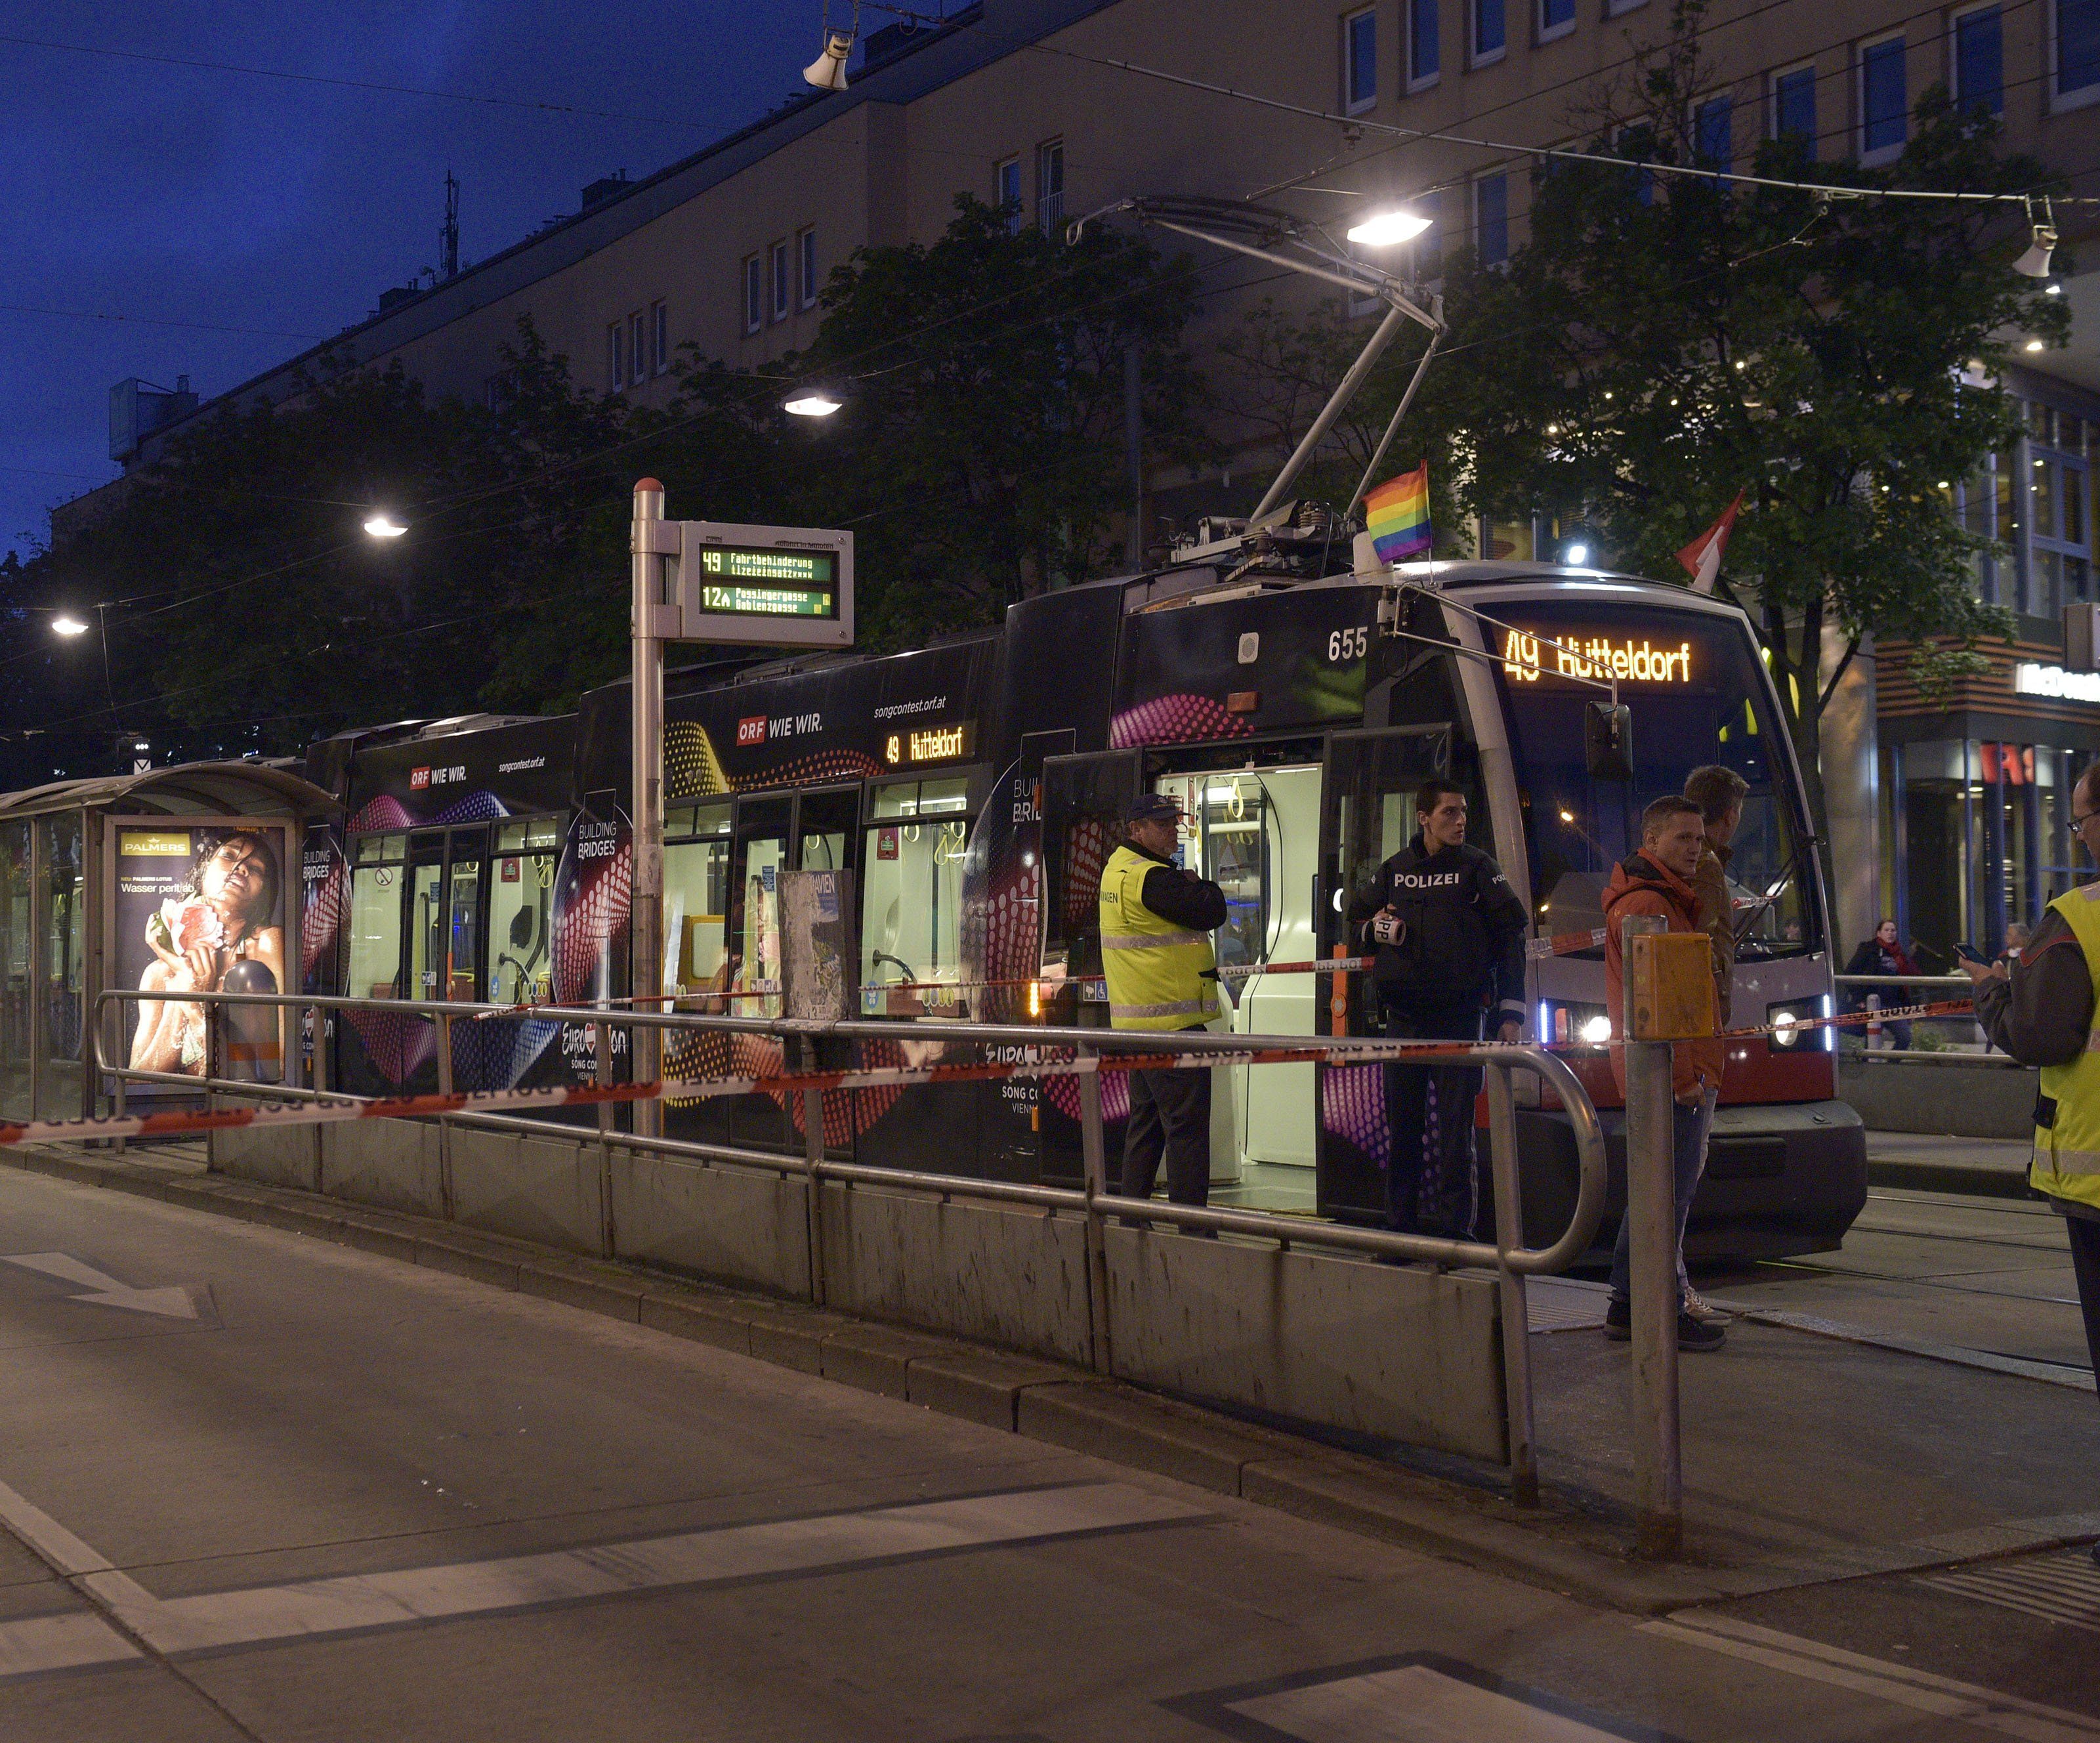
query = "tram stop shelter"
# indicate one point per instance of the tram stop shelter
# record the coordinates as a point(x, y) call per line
point(99, 888)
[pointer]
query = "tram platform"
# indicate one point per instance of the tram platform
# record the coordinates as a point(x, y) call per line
point(1816, 1448)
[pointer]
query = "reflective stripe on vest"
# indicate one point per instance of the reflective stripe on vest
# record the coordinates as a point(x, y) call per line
point(1159, 976)
point(2066, 1155)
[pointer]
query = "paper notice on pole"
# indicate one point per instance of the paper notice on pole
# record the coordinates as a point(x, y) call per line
point(817, 956)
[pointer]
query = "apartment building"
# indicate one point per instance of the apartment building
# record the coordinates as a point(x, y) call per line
point(1019, 103)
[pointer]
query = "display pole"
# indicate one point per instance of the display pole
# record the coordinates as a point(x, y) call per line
point(645, 898)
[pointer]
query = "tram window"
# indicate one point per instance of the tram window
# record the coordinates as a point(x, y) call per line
point(462, 983)
point(758, 929)
point(911, 904)
point(520, 916)
point(529, 832)
point(375, 917)
point(696, 896)
point(426, 930)
point(1700, 701)
point(921, 798)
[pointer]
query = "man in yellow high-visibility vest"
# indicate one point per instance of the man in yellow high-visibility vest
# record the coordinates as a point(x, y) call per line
point(2044, 1009)
point(1156, 919)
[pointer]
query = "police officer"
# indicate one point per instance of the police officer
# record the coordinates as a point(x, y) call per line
point(1448, 931)
point(2044, 1009)
point(1156, 919)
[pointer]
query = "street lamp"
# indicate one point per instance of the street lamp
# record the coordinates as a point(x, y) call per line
point(381, 525)
point(65, 624)
point(813, 402)
point(1383, 229)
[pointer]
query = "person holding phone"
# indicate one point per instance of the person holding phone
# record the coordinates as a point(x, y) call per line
point(2041, 1010)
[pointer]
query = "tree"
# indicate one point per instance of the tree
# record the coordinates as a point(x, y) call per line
point(1662, 342)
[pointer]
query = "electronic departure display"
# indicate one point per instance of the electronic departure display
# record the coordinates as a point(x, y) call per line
point(758, 586)
point(747, 580)
point(931, 745)
point(1598, 656)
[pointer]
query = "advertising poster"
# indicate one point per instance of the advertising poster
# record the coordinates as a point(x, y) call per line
point(199, 909)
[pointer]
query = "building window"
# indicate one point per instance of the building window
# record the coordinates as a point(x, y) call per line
point(782, 280)
point(660, 337)
point(616, 365)
point(1425, 53)
point(1983, 503)
point(1006, 193)
point(1712, 129)
point(638, 347)
point(1556, 18)
point(1794, 106)
point(1489, 38)
point(2076, 30)
point(754, 294)
point(2059, 509)
point(805, 246)
point(1491, 219)
point(1883, 100)
point(1360, 60)
point(1050, 187)
point(1978, 67)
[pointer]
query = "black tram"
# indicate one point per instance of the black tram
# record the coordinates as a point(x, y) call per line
point(973, 788)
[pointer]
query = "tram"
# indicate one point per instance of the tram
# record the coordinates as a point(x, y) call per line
point(972, 789)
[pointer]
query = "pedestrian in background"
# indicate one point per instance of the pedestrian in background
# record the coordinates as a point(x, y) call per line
point(1162, 971)
point(1657, 879)
point(1448, 932)
point(2040, 1010)
point(1719, 793)
point(1884, 954)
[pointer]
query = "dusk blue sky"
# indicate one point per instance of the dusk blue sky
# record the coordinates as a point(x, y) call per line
point(170, 194)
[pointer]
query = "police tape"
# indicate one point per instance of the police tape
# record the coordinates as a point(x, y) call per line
point(342, 1110)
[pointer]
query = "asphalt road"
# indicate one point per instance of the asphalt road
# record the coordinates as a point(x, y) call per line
point(255, 1486)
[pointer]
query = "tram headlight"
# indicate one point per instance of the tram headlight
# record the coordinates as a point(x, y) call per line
point(1790, 1025)
point(1569, 1023)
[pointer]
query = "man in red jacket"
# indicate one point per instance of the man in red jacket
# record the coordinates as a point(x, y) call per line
point(1657, 880)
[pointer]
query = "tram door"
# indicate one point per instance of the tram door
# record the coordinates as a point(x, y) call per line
point(1366, 814)
point(426, 914)
point(1255, 833)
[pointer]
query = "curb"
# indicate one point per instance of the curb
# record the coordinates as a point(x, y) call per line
point(1045, 1400)
point(1964, 1180)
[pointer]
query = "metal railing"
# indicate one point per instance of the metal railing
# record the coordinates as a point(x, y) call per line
point(1505, 1256)
point(1924, 989)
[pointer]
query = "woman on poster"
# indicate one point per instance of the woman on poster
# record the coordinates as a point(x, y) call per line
point(219, 935)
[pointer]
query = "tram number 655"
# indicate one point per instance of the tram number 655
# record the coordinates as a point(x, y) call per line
point(1349, 644)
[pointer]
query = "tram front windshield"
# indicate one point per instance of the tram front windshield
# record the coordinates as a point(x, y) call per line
point(1692, 685)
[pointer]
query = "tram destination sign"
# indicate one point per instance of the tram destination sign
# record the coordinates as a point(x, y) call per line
point(757, 586)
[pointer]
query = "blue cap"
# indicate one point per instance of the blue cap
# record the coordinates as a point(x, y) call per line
point(1147, 806)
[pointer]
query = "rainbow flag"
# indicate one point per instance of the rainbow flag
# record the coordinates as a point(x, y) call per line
point(1397, 514)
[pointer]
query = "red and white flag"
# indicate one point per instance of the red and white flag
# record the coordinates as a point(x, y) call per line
point(1702, 556)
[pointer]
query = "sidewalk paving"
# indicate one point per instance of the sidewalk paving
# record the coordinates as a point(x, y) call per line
point(1806, 1458)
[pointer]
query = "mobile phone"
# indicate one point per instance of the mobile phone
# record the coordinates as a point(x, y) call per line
point(1970, 953)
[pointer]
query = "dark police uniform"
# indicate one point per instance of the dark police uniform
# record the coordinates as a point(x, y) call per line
point(1460, 953)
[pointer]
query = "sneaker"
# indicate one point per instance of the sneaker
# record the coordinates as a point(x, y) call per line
point(1697, 1306)
point(1619, 1321)
point(1694, 1334)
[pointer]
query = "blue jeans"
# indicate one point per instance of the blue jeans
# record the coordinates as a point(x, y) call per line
point(1689, 1126)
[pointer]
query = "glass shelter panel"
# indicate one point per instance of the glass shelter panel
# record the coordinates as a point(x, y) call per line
point(15, 950)
point(62, 963)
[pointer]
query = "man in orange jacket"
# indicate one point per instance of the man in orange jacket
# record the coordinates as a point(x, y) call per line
point(1657, 880)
